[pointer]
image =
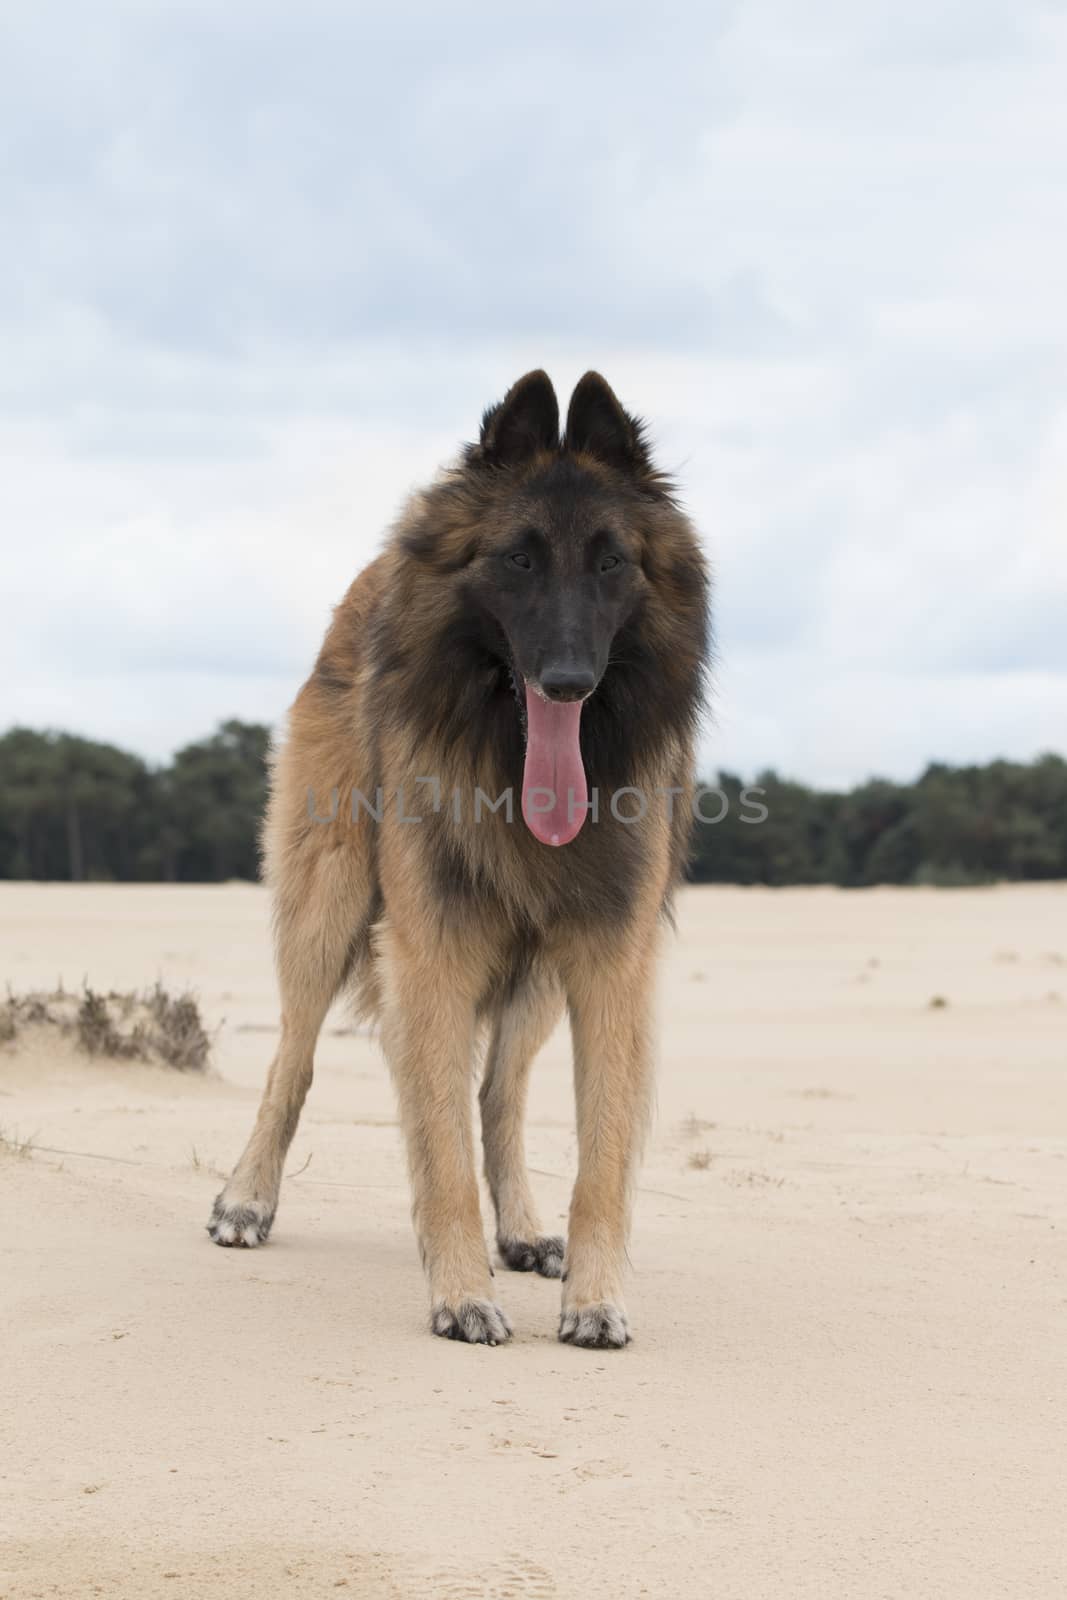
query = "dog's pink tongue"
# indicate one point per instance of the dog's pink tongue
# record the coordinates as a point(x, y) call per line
point(554, 792)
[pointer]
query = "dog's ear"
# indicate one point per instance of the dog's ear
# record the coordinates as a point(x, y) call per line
point(525, 422)
point(598, 426)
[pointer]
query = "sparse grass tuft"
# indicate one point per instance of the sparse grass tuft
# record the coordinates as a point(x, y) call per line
point(198, 1164)
point(754, 1180)
point(12, 1145)
point(700, 1160)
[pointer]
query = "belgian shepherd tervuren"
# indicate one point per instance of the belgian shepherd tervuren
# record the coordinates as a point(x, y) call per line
point(537, 624)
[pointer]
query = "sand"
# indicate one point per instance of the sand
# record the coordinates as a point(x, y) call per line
point(849, 1290)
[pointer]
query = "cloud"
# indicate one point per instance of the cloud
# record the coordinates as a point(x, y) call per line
point(268, 268)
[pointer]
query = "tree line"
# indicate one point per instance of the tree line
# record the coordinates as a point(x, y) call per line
point(75, 809)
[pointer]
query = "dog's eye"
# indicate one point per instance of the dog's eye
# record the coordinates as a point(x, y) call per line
point(609, 563)
point(519, 558)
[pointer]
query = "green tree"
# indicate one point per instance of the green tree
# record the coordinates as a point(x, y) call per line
point(69, 807)
point(212, 799)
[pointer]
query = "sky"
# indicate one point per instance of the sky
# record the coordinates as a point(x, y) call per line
point(264, 265)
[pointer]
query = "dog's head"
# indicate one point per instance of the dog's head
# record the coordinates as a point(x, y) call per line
point(559, 566)
point(551, 541)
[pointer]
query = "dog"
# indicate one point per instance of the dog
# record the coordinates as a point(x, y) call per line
point(476, 820)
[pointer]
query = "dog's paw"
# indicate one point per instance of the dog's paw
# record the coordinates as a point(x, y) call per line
point(597, 1327)
point(241, 1227)
point(543, 1255)
point(472, 1321)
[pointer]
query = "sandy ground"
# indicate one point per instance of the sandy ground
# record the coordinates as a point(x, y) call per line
point(849, 1288)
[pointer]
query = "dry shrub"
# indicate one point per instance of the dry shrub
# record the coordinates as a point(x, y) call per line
point(150, 1026)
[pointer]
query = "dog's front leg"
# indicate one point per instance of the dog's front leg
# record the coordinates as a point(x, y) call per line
point(428, 1034)
point(610, 1004)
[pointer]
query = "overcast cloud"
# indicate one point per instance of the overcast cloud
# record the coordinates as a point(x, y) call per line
point(264, 265)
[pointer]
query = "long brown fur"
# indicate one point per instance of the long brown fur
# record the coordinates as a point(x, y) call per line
point(451, 932)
